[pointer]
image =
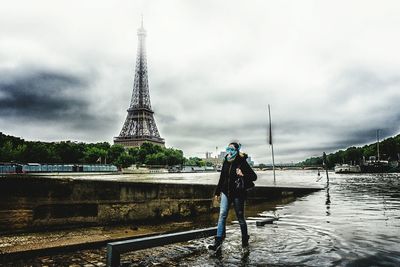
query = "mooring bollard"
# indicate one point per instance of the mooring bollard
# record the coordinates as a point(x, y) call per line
point(115, 249)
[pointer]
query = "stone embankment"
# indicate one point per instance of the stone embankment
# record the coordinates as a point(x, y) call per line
point(31, 203)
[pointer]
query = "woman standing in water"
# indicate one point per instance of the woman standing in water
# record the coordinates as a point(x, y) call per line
point(236, 177)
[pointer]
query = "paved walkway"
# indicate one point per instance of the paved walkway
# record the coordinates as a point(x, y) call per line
point(57, 242)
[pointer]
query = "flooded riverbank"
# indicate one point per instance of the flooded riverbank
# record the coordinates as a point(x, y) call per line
point(354, 221)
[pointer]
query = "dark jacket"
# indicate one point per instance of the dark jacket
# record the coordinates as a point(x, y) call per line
point(226, 183)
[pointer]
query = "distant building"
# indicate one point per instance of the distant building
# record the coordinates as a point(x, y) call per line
point(213, 161)
point(208, 155)
point(222, 155)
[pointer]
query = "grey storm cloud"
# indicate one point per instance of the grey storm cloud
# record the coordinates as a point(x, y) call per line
point(48, 98)
point(43, 95)
point(330, 72)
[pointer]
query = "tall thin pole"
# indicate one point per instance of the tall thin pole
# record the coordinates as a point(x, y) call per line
point(377, 138)
point(325, 164)
point(271, 143)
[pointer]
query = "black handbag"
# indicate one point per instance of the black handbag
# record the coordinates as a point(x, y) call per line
point(243, 184)
point(239, 183)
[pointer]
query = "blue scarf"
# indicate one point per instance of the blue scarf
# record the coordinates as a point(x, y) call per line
point(231, 153)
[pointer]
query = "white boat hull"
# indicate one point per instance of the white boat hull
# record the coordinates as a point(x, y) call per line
point(346, 168)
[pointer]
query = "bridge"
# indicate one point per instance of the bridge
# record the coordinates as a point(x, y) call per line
point(292, 166)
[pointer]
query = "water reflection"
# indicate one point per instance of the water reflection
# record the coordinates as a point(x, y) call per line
point(328, 198)
point(363, 228)
point(328, 202)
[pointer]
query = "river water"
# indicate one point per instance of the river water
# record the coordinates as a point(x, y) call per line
point(353, 221)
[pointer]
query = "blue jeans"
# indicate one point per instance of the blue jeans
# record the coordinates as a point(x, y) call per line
point(238, 204)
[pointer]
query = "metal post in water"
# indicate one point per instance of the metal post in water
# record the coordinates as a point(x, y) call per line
point(271, 143)
point(377, 138)
point(325, 164)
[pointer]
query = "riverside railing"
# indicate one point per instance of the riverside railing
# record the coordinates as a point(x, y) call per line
point(115, 249)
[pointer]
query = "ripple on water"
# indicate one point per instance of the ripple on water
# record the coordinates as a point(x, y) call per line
point(286, 244)
point(297, 243)
point(353, 222)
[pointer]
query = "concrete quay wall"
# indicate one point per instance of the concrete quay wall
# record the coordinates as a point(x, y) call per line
point(36, 203)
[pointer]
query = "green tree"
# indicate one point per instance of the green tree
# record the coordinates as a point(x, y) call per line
point(156, 159)
point(17, 149)
point(20, 152)
point(174, 156)
point(390, 148)
point(134, 151)
point(353, 154)
point(195, 161)
point(92, 154)
point(40, 152)
point(147, 149)
point(70, 152)
point(209, 164)
point(114, 152)
point(150, 148)
point(7, 151)
point(124, 160)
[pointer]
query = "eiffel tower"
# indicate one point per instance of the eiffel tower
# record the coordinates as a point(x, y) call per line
point(140, 126)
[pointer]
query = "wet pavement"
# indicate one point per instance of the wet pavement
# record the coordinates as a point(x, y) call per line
point(86, 258)
point(171, 255)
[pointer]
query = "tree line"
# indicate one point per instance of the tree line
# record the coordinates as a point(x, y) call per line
point(14, 149)
point(389, 149)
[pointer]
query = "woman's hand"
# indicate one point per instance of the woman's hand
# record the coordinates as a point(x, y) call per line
point(239, 172)
point(215, 201)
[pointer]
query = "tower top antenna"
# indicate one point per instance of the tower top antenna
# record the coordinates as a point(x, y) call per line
point(141, 30)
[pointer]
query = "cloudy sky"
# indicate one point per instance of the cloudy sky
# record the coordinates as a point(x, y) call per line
point(329, 69)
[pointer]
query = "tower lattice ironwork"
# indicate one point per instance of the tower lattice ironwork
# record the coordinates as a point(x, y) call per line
point(140, 126)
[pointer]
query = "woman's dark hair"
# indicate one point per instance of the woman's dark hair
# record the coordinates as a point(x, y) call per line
point(236, 145)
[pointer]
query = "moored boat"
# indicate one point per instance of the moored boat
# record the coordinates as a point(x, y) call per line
point(347, 168)
point(376, 166)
